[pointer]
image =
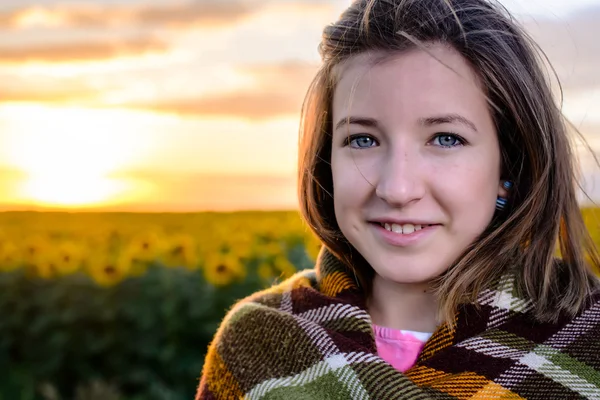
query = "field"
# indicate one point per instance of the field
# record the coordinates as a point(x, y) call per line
point(112, 247)
point(123, 306)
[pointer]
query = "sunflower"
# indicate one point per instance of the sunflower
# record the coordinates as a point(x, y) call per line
point(9, 256)
point(130, 257)
point(181, 251)
point(45, 266)
point(283, 267)
point(223, 269)
point(239, 243)
point(265, 271)
point(147, 246)
point(69, 258)
point(273, 249)
point(33, 249)
point(108, 269)
point(312, 245)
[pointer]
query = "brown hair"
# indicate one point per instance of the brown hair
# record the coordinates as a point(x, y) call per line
point(536, 152)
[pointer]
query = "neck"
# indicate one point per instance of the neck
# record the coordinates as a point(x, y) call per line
point(408, 306)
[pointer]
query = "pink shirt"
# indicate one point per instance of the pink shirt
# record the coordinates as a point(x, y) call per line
point(400, 348)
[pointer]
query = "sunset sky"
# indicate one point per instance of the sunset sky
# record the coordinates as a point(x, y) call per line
point(168, 105)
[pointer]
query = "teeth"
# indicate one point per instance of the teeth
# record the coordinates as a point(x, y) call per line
point(408, 228)
point(404, 229)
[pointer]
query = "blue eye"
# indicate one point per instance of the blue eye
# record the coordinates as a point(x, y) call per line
point(359, 141)
point(448, 140)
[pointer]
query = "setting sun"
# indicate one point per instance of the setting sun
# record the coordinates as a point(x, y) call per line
point(70, 155)
point(72, 190)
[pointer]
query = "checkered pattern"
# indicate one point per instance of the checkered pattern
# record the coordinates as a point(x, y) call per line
point(311, 338)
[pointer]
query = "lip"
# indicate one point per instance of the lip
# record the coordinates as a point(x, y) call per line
point(404, 240)
point(402, 221)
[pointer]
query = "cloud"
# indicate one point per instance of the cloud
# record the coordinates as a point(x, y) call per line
point(80, 50)
point(45, 89)
point(242, 105)
point(279, 90)
point(571, 43)
point(41, 96)
point(153, 15)
point(207, 12)
point(52, 94)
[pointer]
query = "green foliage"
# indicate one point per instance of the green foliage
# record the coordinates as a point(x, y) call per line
point(144, 338)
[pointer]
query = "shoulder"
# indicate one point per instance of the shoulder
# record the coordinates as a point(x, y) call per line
point(265, 305)
point(257, 331)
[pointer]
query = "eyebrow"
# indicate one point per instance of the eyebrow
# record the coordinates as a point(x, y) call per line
point(429, 121)
point(364, 121)
point(447, 119)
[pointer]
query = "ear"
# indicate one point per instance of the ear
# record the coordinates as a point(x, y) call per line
point(504, 188)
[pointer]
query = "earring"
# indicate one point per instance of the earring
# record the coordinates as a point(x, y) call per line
point(501, 201)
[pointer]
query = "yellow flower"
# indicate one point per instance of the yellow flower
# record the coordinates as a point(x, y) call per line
point(147, 246)
point(181, 251)
point(107, 269)
point(240, 243)
point(265, 271)
point(129, 259)
point(69, 258)
point(270, 249)
point(284, 267)
point(223, 269)
point(45, 266)
point(34, 248)
point(9, 256)
point(312, 245)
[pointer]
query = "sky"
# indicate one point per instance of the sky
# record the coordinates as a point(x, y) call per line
point(172, 105)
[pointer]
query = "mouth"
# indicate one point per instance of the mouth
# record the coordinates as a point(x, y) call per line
point(404, 229)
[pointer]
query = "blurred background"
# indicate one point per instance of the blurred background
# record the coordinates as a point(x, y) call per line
point(148, 155)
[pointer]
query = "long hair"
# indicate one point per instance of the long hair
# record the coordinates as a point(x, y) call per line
point(536, 152)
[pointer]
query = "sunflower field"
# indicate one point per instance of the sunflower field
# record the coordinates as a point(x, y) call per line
point(118, 306)
point(123, 306)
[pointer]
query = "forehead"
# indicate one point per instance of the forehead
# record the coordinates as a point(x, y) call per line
point(427, 77)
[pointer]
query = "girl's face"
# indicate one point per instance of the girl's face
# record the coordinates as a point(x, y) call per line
point(416, 169)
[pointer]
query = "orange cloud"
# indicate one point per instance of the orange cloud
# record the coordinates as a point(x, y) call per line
point(44, 96)
point(81, 51)
point(255, 106)
point(280, 90)
point(103, 16)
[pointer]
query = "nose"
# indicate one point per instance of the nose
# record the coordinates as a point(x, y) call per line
point(400, 180)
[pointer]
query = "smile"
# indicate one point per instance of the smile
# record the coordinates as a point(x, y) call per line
point(402, 228)
point(401, 235)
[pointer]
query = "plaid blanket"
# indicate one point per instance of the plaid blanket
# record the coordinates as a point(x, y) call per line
point(310, 337)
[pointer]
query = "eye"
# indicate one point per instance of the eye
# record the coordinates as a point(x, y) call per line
point(360, 141)
point(448, 140)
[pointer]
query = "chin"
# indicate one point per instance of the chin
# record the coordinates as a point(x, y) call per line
point(408, 277)
point(413, 271)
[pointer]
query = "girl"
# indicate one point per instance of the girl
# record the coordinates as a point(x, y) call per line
point(436, 169)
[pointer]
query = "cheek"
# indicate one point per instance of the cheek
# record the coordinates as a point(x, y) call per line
point(342, 180)
point(351, 178)
point(468, 190)
point(352, 191)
